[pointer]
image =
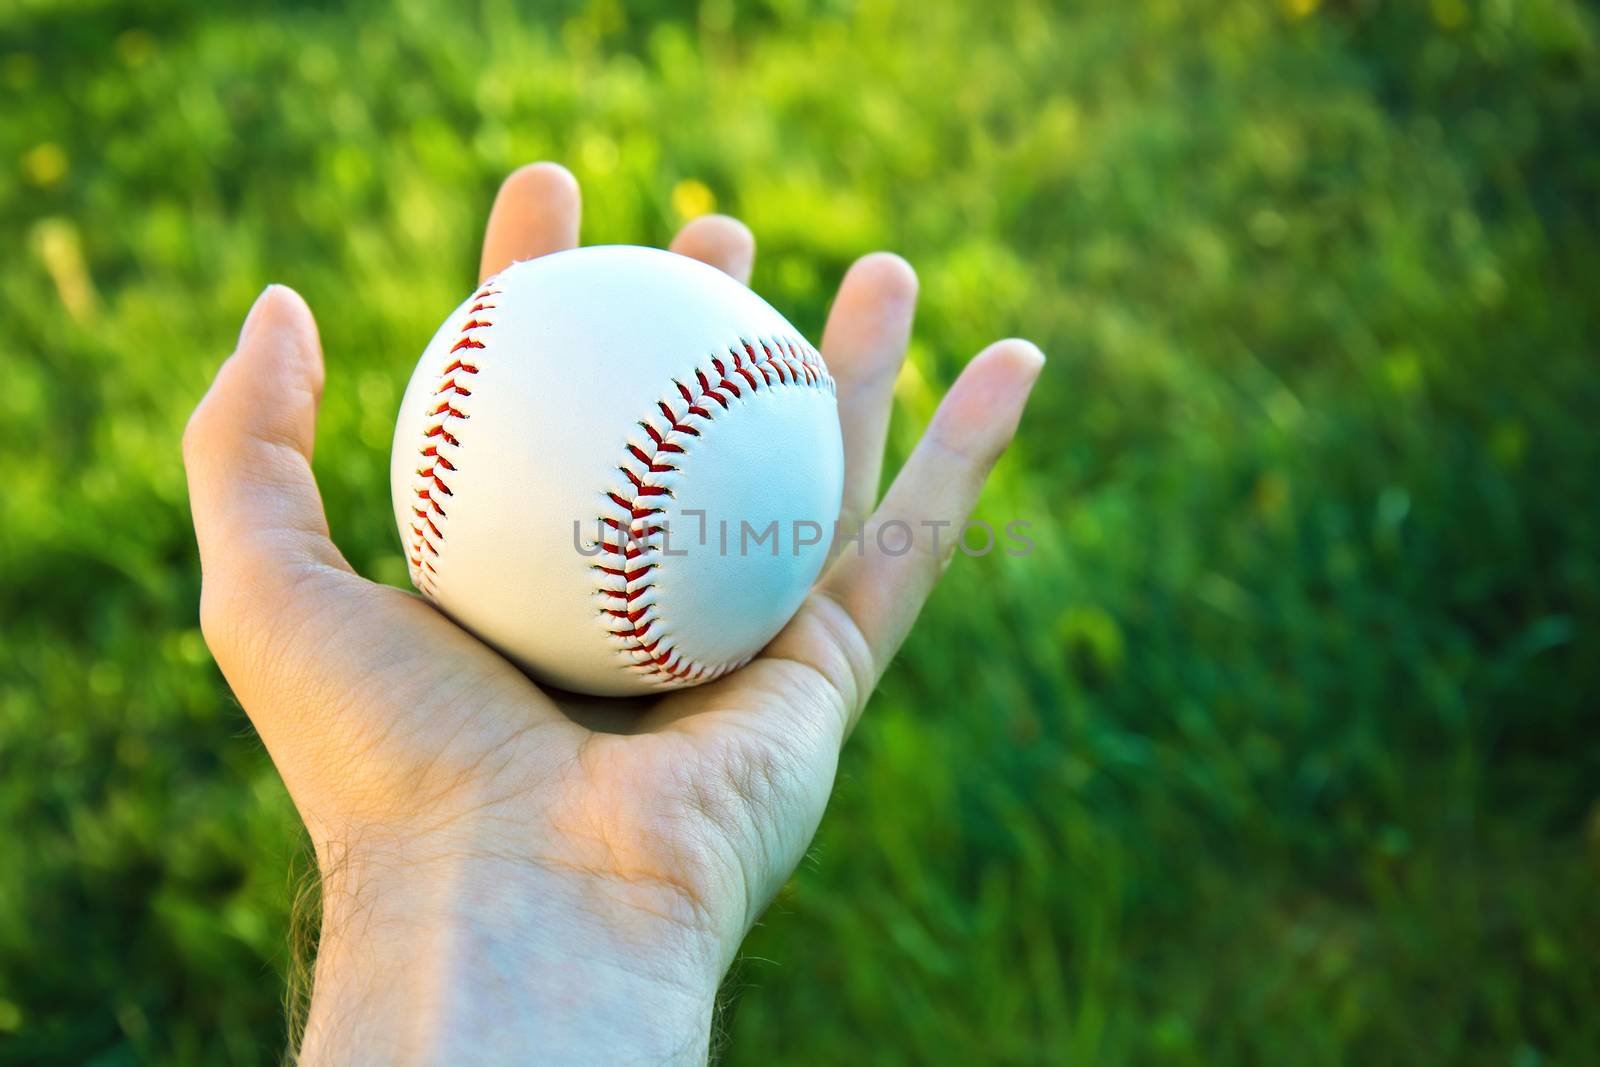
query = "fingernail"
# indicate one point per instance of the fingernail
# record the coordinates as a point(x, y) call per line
point(255, 314)
point(1033, 350)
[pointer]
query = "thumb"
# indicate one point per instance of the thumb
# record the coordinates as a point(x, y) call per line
point(258, 517)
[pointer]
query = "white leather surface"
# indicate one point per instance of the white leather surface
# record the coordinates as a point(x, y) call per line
point(578, 349)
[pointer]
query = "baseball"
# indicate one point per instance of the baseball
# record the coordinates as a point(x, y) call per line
point(618, 466)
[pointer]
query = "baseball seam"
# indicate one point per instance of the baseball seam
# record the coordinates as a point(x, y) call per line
point(631, 537)
point(440, 448)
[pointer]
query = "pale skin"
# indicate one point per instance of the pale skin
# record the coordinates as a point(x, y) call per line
point(511, 875)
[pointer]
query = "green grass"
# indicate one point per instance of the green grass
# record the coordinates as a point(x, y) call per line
point(1281, 749)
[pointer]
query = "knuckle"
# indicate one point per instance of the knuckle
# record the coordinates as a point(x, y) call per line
point(227, 603)
point(243, 611)
point(849, 666)
point(195, 433)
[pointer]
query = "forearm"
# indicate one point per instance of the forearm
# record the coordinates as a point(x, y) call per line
point(482, 965)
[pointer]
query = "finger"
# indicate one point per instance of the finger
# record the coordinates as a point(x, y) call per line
point(722, 241)
point(864, 344)
point(905, 548)
point(247, 449)
point(535, 213)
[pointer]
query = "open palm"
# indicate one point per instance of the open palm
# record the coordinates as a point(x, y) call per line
point(425, 763)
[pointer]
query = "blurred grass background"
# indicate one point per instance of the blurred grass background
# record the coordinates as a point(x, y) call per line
point(1281, 749)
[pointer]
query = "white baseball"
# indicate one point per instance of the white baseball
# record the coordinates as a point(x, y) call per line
point(570, 432)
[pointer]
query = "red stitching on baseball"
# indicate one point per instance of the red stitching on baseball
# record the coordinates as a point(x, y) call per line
point(429, 532)
point(628, 538)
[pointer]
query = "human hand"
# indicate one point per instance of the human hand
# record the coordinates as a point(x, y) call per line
point(508, 871)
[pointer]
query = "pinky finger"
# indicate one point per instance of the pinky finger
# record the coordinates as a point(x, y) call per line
point(883, 587)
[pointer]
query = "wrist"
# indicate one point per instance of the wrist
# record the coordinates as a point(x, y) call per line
point(488, 960)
